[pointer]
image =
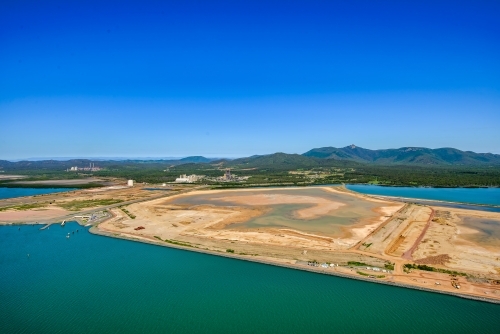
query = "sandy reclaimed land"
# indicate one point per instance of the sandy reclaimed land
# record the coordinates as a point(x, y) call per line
point(32, 215)
point(168, 221)
point(321, 206)
point(446, 237)
point(11, 177)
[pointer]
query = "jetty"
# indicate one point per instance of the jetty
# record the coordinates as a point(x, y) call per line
point(46, 226)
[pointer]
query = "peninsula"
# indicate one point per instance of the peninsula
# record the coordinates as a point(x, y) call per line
point(326, 229)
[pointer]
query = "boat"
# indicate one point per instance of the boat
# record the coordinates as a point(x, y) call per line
point(63, 222)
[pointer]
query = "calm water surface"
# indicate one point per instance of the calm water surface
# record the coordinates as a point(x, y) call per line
point(486, 196)
point(20, 192)
point(94, 284)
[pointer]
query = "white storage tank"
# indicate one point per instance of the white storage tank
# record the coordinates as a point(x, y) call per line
point(130, 183)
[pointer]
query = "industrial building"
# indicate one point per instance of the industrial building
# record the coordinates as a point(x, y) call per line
point(188, 178)
point(91, 168)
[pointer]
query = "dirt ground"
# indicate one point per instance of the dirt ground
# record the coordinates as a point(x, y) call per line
point(320, 206)
point(11, 177)
point(167, 221)
point(446, 236)
point(31, 215)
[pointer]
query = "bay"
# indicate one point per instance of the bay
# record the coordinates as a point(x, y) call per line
point(21, 192)
point(482, 196)
point(95, 284)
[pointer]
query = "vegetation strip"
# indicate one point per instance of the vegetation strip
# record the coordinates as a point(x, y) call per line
point(77, 205)
point(425, 267)
point(24, 206)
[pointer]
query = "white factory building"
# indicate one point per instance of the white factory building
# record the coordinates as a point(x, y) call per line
point(188, 178)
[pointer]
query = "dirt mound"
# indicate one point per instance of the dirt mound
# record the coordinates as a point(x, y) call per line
point(438, 259)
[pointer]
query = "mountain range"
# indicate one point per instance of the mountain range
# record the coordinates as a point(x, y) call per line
point(352, 154)
point(324, 156)
point(405, 155)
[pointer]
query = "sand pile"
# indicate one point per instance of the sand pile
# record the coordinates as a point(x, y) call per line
point(438, 259)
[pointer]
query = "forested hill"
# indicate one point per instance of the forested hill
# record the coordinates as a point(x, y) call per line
point(284, 161)
point(318, 157)
point(405, 156)
point(283, 169)
point(65, 164)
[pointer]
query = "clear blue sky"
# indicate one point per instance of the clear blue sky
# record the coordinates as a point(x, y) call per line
point(239, 78)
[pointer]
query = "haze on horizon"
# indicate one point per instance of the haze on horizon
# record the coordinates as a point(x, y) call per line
point(233, 79)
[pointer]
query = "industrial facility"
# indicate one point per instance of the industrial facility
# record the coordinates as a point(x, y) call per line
point(189, 178)
point(91, 168)
point(228, 177)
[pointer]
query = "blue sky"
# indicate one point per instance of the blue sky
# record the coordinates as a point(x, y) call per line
point(239, 78)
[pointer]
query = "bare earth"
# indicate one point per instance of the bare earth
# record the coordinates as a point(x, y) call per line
point(321, 206)
point(11, 177)
point(169, 221)
point(31, 215)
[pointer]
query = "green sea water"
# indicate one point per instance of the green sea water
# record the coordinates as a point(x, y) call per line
point(95, 284)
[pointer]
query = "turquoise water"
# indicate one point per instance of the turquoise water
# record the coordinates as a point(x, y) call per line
point(94, 284)
point(20, 192)
point(486, 196)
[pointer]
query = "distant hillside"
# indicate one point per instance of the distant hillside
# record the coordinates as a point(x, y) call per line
point(275, 161)
point(318, 157)
point(284, 161)
point(65, 164)
point(195, 159)
point(405, 156)
point(44, 164)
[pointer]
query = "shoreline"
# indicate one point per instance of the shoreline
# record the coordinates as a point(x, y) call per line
point(402, 198)
point(96, 231)
point(403, 282)
point(269, 260)
point(435, 201)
